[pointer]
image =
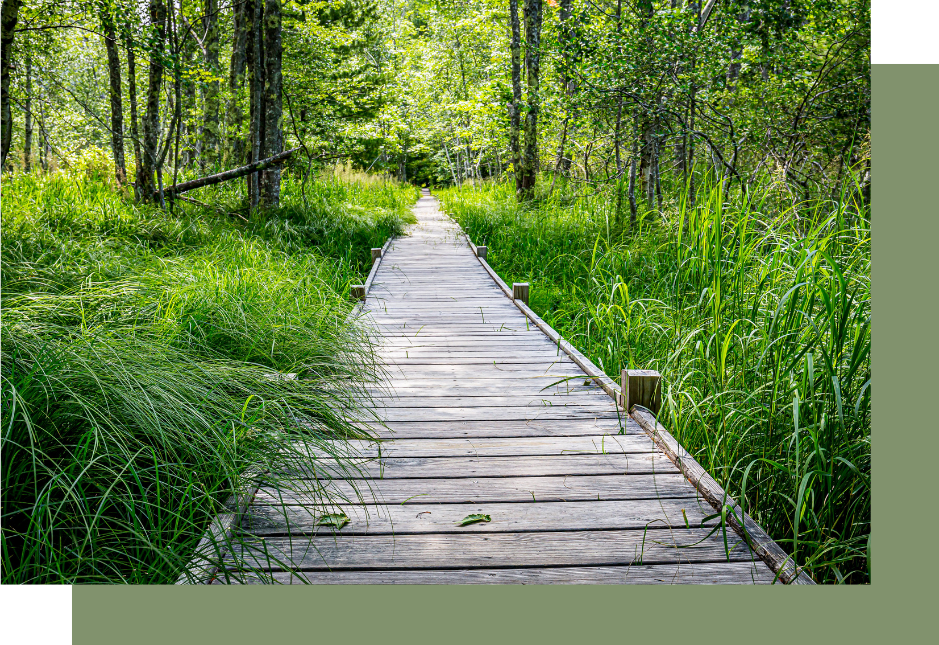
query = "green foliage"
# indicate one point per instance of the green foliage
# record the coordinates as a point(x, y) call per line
point(759, 319)
point(143, 355)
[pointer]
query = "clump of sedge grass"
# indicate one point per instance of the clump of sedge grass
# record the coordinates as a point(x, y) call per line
point(143, 363)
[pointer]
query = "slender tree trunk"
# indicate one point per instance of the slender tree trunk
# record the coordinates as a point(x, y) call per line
point(176, 22)
point(210, 122)
point(696, 7)
point(516, 106)
point(658, 175)
point(567, 81)
point(273, 101)
point(616, 134)
point(132, 96)
point(117, 107)
point(533, 18)
point(691, 187)
point(188, 132)
point(234, 117)
point(43, 136)
point(257, 98)
point(10, 14)
point(151, 121)
point(450, 164)
point(633, 162)
point(648, 163)
point(28, 130)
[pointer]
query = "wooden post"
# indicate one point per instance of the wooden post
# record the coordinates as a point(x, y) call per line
point(641, 387)
point(358, 292)
point(481, 252)
point(376, 253)
point(520, 291)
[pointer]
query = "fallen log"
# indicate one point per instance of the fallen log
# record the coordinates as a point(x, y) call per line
point(170, 191)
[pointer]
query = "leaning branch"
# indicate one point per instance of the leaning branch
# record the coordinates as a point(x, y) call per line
point(234, 173)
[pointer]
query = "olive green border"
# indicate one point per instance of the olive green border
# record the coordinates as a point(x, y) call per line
point(906, 146)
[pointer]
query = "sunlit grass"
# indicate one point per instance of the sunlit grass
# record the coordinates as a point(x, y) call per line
point(141, 352)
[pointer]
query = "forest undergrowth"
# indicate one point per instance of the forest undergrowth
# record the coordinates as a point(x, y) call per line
point(757, 313)
point(142, 354)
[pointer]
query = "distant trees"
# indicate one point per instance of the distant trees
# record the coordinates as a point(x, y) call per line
point(644, 99)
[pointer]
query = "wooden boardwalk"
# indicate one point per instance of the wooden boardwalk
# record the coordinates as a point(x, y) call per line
point(478, 423)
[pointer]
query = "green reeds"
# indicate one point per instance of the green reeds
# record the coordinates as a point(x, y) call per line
point(758, 317)
point(144, 356)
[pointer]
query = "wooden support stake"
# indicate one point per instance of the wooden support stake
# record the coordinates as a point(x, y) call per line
point(358, 292)
point(519, 291)
point(376, 253)
point(641, 387)
point(481, 252)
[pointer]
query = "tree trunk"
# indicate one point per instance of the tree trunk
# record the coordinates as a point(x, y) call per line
point(450, 164)
point(633, 162)
point(28, 130)
point(210, 121)
point(696, 7)
point(516, 105)
point(117, 108)
point(151, 120)
point(43, 136)
point(533, 18)
point(188, 131)
point(690, 166)
point(10, 14)
point(273, 142)
point(568, 83)
point(132, 96)
point(234, 118)
point(617, 129)
point(648, 162)
point(658, 175)
point(257, 87)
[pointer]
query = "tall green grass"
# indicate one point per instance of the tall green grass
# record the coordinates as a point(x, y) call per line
point(757, 315)
point(142, 354)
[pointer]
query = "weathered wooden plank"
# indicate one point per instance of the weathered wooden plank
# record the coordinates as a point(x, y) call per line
point(424, 307)
point(467, 295)
point(451, 314)
point(412, 519)
point(598, 548)
point(495, 413)
point(403, 328)
point(480, 429)
point(506, 350)
point(537, 400)
point(500, 447)
point(464, 344)
point(463, 357)
point(699, 573)
point(473, 467)
point(481, 489)
point(487, 370)
point(400, 388)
